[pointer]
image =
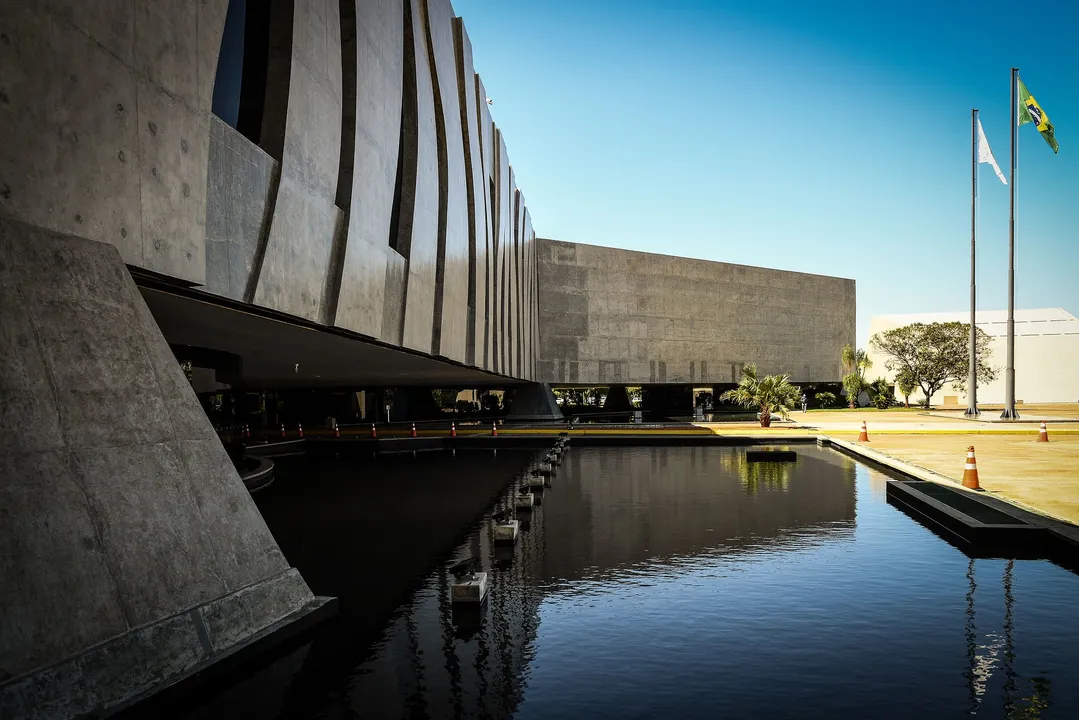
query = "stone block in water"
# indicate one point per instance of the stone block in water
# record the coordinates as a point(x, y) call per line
point(470, 588)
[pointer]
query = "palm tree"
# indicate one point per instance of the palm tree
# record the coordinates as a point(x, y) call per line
point(855, 363)
point(771, 393)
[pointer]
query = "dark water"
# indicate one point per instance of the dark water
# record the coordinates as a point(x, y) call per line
point(653, 582)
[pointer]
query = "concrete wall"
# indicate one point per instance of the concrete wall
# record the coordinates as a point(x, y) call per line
point(130, 550)
point(618, 317)
point(109, 138)
point(296, 261)
point(328, 215)
point(242, 190)
point(1046, 355)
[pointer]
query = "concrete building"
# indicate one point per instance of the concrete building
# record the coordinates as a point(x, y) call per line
point(615, 317)
point(290, 193)
point(1046, 354)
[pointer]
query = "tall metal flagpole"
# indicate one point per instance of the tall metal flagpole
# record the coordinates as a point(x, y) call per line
point(1009, 377)
point(972, 377)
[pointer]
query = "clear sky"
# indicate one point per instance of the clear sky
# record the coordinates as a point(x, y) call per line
point(829, 137)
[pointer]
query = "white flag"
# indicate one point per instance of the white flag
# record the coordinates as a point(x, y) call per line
point(985, 155)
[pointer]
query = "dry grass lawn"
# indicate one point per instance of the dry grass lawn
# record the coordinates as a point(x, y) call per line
point(1041, 476)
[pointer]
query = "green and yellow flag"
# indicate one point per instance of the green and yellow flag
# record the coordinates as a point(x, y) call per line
point(1031, 111)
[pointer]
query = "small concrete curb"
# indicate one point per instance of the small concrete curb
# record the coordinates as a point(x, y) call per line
point(1058, 527)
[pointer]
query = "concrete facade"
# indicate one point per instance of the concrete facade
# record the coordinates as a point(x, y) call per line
point(1046, 355)
point(326, 213)
point(130, 549)
point(615, 317)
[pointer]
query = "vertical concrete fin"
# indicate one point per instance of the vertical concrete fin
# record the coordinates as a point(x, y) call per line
point(343, 196)
point(364, 294)
point(443, 183)
point(423, 251)
point(450, 313)
point(402, 214)
point(274, 107)
point(486, 184)
point(477, 260)
point(278, 77)
point(306, 220)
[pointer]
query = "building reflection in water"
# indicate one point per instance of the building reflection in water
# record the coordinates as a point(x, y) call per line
point(640, 563)
point(608, 511)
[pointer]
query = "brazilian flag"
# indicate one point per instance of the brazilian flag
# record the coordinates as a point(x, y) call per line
point(1031, 111)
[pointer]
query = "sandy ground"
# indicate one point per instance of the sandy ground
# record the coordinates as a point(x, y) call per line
point(1040, 476)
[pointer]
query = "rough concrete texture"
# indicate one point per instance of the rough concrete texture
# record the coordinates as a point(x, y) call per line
point(451, 300)
point(379, 69)
point(619, 317)
point(504, 235)
point(306, 219)
point(113, 140)
point(476, 196)
point(423, 238)
point(242, 188)
point(109, 138)
point(486, 132)
point(119, 508)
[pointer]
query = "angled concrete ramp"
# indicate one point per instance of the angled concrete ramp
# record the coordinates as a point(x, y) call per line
point(130, 552)
point(534, 401)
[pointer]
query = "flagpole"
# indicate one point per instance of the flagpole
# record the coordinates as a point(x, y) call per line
point(1009, 377)
point(972, 376)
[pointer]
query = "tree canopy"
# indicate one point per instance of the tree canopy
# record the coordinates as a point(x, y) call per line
point(935, 354)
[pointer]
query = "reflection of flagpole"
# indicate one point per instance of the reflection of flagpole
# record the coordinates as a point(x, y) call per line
point(972, 377)
point(972, 639)
point(1009, 376)
point(1011, 684)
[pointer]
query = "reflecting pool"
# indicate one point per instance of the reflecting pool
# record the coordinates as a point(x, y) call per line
point(651, 582)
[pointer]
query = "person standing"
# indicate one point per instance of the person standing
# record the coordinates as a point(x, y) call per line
point(805, 402)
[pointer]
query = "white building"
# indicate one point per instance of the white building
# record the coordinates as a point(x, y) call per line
point(1046, 354)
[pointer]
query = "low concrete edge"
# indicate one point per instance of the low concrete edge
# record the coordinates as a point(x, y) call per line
point(1058, 528)
point(124, 669)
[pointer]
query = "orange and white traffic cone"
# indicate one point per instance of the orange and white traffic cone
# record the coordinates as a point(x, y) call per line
point(283, 431)
point(864, 435)
point(413, 433)
point(336, 430)
point(246, 432)
point(970, 471)
point(453, 429)
point(374, 433)
point(1043, 433)
point(494, 430)
point(301, 430)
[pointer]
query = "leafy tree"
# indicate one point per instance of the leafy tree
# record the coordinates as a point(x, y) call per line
point(935, 354)
point(771, 393)
point(855, 363)
point(825, 399)
point(906, 383)
point(881, 393)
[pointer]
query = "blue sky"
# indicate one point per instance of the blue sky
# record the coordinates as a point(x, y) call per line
point(829, 137)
